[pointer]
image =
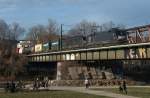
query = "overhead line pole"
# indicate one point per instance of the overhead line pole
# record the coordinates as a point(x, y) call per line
point(61, 31)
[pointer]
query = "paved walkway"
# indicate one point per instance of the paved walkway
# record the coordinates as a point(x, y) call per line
point(89, 91)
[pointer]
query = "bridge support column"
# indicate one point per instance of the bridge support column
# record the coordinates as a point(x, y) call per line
point(59, 73)
point(63, 70)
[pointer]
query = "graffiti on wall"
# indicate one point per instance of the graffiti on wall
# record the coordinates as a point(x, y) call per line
point(135, 53)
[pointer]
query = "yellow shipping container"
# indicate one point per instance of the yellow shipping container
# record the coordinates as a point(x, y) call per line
point(38, 48)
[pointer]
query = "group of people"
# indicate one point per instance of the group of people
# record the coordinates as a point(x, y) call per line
point(38, 84)
point(10, 86)
point(123, 87)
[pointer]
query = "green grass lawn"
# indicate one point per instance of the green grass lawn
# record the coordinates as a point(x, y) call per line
point(49, 94)
point(133, 91)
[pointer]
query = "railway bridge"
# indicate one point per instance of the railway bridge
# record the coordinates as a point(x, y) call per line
point(119, 52)
point(115, 61)
point(130, 60)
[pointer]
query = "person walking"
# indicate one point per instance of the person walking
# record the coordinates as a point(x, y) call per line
point(124, 86)
point(86, 83)
point(120, 87)
point(36, 84)
point(7, 87)
point(13, 87)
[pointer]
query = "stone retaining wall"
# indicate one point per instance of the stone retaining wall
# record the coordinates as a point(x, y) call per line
point(92, 82)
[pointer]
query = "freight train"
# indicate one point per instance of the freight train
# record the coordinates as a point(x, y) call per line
point(26, 48)
point(112, 37)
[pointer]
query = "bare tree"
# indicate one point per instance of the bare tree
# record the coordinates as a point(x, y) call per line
point(3, 29)
point(52, 27)
point(15, 31)
point(36, 33)
point(83, 28)
point(41, 33)
point(53, 30)
point(10, 63)
point(107, 26)
point(80, 34)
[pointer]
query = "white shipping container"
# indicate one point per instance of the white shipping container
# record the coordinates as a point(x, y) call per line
point(20, 50)
point(19, 45)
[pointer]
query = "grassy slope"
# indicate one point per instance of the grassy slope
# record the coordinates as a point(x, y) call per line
point(133, 91)
point(49, 94)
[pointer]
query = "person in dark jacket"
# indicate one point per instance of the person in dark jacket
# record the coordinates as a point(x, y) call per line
point(124, 86)
point(13, 87)
point(120, 87)
point(7, 87)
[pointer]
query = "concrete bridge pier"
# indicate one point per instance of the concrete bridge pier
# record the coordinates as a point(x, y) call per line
point(62, 70)
point(59, 72)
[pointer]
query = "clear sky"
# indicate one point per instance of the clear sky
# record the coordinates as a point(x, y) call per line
point(31, 12)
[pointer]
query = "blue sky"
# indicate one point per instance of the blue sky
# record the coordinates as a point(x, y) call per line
point(31, 12)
